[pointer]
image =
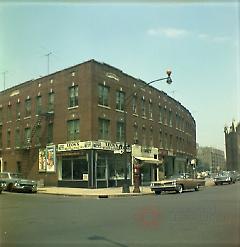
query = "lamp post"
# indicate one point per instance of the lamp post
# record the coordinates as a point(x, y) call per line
point(125, 188)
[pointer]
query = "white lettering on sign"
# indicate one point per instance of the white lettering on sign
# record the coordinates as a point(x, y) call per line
point(101, 145)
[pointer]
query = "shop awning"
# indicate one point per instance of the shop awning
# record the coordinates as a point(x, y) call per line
point(149, 160)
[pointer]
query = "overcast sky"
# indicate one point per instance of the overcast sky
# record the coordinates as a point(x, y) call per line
point(198, 42)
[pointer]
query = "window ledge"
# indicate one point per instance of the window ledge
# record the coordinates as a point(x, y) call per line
point(73, 107)
point(104, 106)
point(119, 110)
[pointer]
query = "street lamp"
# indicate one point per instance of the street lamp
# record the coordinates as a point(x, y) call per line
point(125, 188)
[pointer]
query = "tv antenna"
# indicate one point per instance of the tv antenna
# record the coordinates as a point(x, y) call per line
point(48, 61)
point(4, 79)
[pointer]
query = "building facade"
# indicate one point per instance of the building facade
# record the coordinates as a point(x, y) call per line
point(211, 159)
point(232, 144)
point(67, 128)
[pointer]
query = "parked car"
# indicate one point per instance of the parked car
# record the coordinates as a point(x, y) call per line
point(15, 182)
point(225, 177)
point(177, 183)
point(2, 186)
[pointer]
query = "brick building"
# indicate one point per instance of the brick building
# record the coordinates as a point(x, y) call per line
point(211, 159)
point(67, 128)
point(232, 144)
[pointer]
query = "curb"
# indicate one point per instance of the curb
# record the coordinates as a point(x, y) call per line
point(100, 196)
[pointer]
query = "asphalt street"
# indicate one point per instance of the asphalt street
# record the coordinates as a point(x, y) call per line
point(209, 217)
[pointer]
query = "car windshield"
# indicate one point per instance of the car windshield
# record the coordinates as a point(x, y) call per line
point(15, 175)
point(178, 176)
point(3, 175)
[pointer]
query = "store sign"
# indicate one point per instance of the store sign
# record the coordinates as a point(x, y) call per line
point(47, 159)
point(99, 145)
point(147, 152)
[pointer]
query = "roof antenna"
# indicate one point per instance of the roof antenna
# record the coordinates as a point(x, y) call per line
point(48, 61)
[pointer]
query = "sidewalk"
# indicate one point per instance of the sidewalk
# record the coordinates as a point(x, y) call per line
point(103, 192)
point(94, 193)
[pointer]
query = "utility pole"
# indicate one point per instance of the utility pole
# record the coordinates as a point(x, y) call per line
point(4, 80)
point(48, 55)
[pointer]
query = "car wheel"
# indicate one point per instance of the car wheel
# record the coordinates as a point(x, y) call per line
point(197, 187)
point(158, 192)
point(179, 188)
point(10, 187)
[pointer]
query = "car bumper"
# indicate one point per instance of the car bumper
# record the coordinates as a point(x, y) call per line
point(25, 188)
point(164, 188)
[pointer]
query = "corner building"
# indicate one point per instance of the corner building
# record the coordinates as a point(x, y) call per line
point(67, 128)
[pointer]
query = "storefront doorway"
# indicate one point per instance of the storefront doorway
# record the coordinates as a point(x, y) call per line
point(148, 173)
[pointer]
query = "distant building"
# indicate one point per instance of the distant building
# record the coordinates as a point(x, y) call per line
point(232, 143)
point(211, 159)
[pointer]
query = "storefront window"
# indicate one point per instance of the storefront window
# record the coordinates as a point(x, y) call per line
point(116, 168)
point(74, 169)
point(101, 168)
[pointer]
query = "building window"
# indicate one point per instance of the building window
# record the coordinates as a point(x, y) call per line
point(17, 138)
point(9, 113)
point(166, 141)
point(73, 96)
point(18, 113)
point(51, 102)
point(103, 95)
point(144, 143)
point(120, 99)
point(38, 135)
point(1, 115)
point(74, 169)
point(165, 116)
point(103, 126)
point(49, 133)
point(8, 138)
point(160, 114)
point(120, 132)
point(170, 118)
point(73, 130)
point(135, 135)
point(150, 110)
point(134, 104)
point(143, 107)
point(1, 136)
point(151, 138)
point(27, 136)
point(39, 105)
point(27, 107)
point(160, 139)
point(170, 142)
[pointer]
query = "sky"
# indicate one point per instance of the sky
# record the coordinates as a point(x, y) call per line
point(198, 41)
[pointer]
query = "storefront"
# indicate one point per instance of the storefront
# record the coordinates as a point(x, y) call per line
point(97, 164)
point(147, 158)
point(91, 164)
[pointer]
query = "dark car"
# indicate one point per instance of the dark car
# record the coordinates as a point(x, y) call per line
point(2, 186)
point(15, 182)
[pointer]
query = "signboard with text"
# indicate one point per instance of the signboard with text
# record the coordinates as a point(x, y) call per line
point(99, 145)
